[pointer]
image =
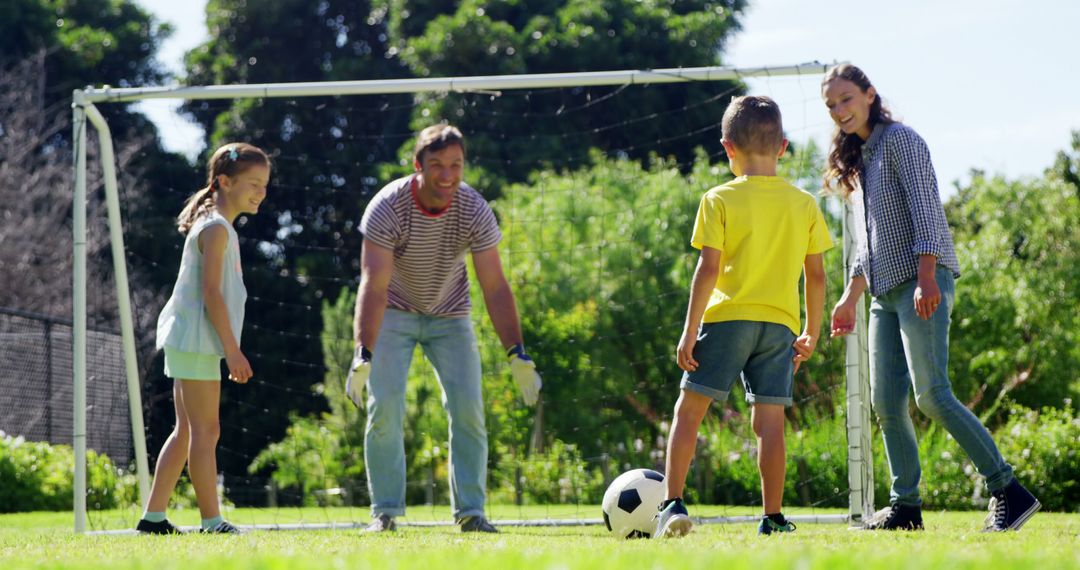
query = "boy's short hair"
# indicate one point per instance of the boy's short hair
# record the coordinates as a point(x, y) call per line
point(752, 123)
point(436, 138)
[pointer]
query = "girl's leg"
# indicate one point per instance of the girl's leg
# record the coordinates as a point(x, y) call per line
point(201, 401)
point(690, 410)
point(173, 456)
point(768, 422)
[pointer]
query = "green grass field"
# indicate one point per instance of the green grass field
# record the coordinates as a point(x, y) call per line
point(953, 541)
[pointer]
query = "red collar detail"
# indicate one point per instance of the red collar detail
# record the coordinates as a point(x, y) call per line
point(419, 206)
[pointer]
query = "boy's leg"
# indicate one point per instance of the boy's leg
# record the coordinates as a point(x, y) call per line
point(690, 410)
point(450, 345)
point(384, 435)
point(673, 520)
point(769, 382)
point(768, 422)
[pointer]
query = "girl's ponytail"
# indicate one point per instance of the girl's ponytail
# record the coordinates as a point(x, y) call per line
point(197, 205)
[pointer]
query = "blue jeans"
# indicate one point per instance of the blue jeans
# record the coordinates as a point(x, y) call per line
point(908, 352)
point(450, 345)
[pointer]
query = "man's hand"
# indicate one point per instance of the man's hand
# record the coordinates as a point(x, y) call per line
point(359, 371)
point(523, 369)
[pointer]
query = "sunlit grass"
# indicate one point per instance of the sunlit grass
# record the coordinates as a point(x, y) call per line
point(46, 540)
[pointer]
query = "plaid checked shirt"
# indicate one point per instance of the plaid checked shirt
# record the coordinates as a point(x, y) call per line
point(902, 210)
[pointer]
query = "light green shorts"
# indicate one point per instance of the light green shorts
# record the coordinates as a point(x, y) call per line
point(192, 365)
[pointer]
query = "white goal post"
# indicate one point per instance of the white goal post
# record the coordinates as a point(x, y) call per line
point(860, 470)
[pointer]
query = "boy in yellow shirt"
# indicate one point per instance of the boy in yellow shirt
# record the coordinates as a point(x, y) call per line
point(757, 235)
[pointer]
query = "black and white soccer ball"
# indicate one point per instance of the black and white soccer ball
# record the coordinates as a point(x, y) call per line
point(631, 503)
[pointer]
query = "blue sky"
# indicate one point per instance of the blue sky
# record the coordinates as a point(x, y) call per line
point(984, 82)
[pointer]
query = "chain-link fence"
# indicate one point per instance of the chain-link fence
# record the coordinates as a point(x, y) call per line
point(36, 384)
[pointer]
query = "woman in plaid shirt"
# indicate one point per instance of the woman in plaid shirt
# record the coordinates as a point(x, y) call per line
point(907, 261)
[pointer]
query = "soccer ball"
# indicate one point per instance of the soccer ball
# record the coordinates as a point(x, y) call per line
point(631, 503)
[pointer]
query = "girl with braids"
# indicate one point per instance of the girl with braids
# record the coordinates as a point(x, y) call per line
point(907, 261)
point(200, 325)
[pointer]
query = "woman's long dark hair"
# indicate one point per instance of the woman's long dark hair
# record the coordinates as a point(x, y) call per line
point(845, 155)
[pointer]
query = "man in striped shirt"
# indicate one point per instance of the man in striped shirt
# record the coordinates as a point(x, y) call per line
point(414, 289)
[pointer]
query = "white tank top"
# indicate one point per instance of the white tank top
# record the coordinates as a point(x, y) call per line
point(184, 324)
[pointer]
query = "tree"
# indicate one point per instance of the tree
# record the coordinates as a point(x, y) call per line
point(1017, 317)
point(514, 133)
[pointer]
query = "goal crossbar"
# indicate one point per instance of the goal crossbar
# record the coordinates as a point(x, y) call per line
point(84, 111)
point(108, 94)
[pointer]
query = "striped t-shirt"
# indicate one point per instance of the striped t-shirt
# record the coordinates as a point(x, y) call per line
point(429, 274)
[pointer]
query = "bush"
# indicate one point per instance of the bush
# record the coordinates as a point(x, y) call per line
point(559, 476)
point(37, 476)
point(1044, 449)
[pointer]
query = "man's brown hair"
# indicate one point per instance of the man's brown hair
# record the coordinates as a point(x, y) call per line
point(436, 138)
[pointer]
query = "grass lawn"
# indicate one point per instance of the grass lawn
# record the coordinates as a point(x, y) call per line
point(953, 541)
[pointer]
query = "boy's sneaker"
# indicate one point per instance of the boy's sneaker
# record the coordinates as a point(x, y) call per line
point(769, 526)
point(1010, 508)
point(223, 527)
point(672, 521)
point(163, 527)
point(382, 523)
point(896, 517)
point(476, 523)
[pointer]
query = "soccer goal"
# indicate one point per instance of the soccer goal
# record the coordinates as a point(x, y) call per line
point(596, 248)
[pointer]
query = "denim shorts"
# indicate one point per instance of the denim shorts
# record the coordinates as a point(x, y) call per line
point(760, 352)
point(192, 365)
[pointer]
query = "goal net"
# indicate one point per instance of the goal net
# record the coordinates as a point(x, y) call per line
point(595, 179)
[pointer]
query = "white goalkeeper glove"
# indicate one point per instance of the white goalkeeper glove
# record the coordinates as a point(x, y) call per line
point(523, 369)
point(359, 371)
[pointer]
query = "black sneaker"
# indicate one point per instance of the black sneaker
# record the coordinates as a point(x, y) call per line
point(769, 526)
point(1010, 508)
point(477, 523)
point(673, 520)
point(223, 527)
point(382, 523)
point(896, 517)
point(163, 527)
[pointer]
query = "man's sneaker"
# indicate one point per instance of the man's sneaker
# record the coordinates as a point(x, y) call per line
point(382, 523)
point(223, 527)
point(476, 523)
point(896, 517)
point(1010, 508)
point(163, 527)
point(672, 520)
point(769, 526)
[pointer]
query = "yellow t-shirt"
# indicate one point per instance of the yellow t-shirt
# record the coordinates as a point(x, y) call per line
point(765, 228)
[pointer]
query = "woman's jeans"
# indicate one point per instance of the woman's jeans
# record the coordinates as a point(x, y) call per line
point(450, 345)
point(908, 352)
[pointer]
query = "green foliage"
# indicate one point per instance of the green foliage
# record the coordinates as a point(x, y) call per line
point(475, 37)
point(1044, 448)
point(1016, 329)
point(37, 476)
point(557, 476)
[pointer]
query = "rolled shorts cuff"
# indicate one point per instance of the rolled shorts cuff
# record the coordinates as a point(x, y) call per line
point(787, 402)
point(713, 393)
